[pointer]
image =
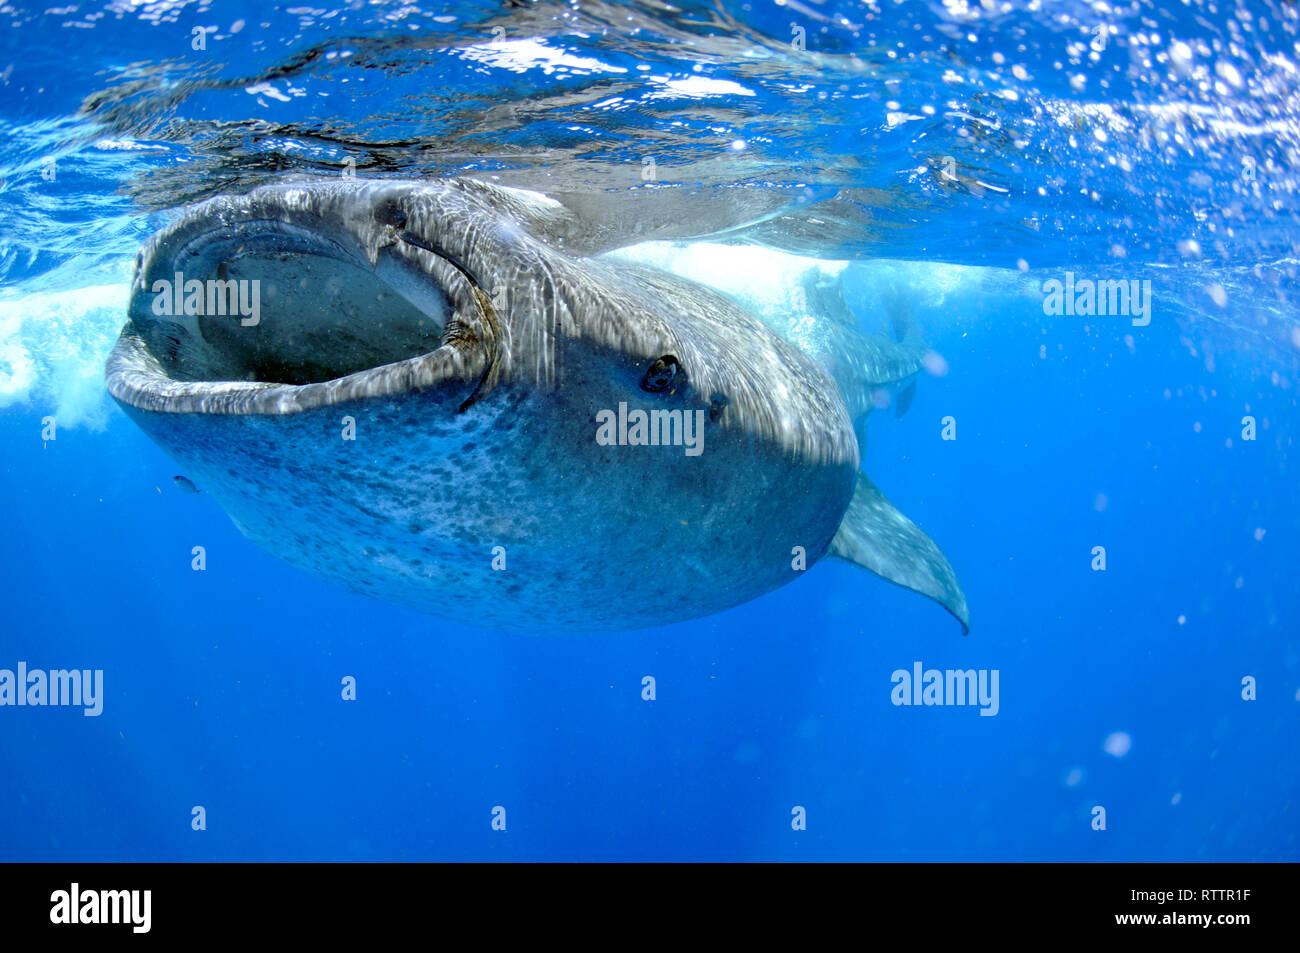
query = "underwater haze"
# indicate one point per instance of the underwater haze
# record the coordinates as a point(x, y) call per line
point(1088, 211)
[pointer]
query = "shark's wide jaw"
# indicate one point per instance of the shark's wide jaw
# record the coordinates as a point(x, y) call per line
point(307, 315)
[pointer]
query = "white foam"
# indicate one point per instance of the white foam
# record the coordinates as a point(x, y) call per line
point(53, 345)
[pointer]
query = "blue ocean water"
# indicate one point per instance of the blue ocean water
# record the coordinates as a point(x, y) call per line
point(968, 153)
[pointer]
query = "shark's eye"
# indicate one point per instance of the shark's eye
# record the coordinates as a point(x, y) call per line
point(661, 374)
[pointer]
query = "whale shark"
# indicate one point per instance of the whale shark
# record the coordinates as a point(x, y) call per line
point(466, 399)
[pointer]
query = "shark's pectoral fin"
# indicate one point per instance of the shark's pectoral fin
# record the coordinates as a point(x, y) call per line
point(876, 536)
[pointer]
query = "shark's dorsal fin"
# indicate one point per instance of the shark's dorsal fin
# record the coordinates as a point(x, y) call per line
point(876, 536)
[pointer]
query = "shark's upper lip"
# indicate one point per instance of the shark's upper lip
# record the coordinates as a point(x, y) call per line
point(350, 307)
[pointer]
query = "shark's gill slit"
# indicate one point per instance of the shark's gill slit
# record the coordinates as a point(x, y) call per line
point(433, 249)
point(484, 330)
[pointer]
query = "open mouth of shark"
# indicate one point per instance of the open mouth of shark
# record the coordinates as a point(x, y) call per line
point(283, 305)
point(271, 316)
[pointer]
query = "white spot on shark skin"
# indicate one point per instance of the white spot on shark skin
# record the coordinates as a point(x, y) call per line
point(695, 564)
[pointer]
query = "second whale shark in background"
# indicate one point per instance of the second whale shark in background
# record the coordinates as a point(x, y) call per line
point(453, 397)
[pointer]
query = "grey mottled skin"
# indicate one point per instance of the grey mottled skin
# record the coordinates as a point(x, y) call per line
point(454, 324)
